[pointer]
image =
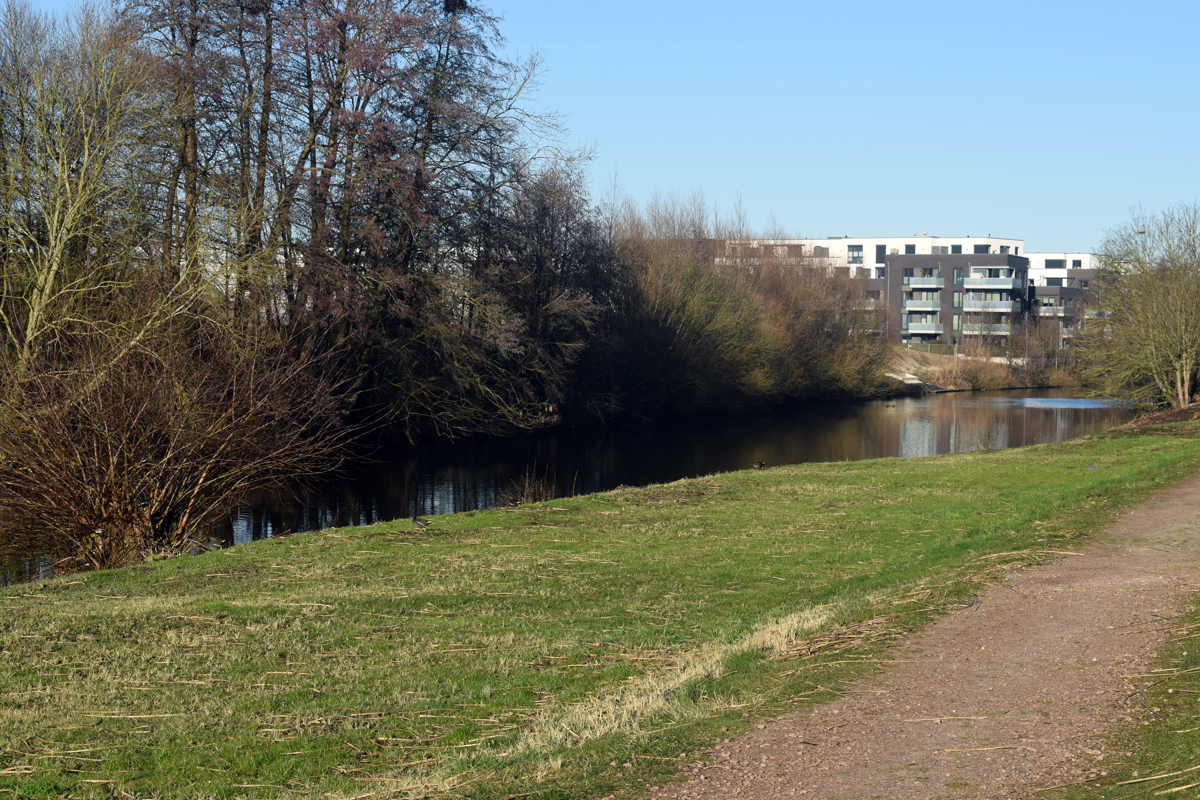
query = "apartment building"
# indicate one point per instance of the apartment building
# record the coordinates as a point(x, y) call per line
point(946, 298)
point(945, 289)
point(1061, 287)
point(870, 253)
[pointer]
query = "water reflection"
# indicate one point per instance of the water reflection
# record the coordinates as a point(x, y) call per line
point(451, 477)
point(444, 477)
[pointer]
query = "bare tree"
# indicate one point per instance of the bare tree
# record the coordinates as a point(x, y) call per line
point(1144, 339)
point(77, 105)
point(135, 404)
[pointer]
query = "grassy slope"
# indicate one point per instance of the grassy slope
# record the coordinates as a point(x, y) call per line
point(519, 651)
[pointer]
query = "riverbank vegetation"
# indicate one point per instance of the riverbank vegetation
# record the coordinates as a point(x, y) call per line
point(571, 648)
point(981, 367)
point(353, 200)
point(1142, 341)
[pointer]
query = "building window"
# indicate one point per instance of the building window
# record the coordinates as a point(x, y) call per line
point(1056, 263)
point(1016, 251)
point(956, 249)
point(910, 249)
point(906, 277)
point(1054, 282)
point(958, 299)
point(956, 322)
point(993, 273)
point(1003, 249)
point(880, 253)
point(854, 254)
point(982, 249)
point(940, 250)
point(958, 275)
point(1083, 284)
point(879, 272)
point(1076, 263)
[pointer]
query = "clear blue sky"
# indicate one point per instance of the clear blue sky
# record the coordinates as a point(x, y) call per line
point(1043, 120)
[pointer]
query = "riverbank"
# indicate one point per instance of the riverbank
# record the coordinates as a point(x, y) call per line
point(978, 373)
point(572, 648)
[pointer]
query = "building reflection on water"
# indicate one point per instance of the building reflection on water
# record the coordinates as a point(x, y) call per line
point(962, 427)
point(452, 477)
point(445, 477)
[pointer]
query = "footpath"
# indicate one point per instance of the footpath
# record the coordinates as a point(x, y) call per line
point(1014, 694)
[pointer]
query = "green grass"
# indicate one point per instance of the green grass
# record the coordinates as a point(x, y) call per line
point(526, 651)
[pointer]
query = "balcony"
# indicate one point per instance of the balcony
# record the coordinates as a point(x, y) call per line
point(1048, 311)
point(927, 283)
point(923, 305)
point(1002, 329)
point(924, 327)
point(992, 306)
point(972, 282)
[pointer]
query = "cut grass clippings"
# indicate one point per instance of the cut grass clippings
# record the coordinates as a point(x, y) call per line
point(574, 648)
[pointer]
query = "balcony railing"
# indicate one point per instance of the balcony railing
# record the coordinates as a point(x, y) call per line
point(992, 306)
point(1048, 311)
point(923, 305)
point(999, 329)
point(972, 282)
point(927, 283)
point(925, 327)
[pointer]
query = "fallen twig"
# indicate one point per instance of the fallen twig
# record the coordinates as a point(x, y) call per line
point(981, 749)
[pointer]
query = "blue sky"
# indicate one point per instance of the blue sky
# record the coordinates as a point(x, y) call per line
point(1041, 120)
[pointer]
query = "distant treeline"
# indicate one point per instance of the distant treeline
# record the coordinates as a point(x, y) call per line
point(231, 232)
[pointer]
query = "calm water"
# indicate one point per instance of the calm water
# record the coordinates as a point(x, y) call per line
point(444, 478)
point(441, 477)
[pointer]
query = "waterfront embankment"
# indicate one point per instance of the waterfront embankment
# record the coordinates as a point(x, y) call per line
point(572, 648)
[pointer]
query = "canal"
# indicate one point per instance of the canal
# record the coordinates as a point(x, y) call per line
point(446, 477)
point(449, 477)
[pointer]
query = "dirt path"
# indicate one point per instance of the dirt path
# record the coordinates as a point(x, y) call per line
point(995, 700)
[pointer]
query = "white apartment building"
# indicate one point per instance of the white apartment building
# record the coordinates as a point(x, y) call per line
point(870, 252)
point(1062, 287)
point(1062, 269)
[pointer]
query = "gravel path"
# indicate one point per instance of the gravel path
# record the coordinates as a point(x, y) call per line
point(995, 701)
